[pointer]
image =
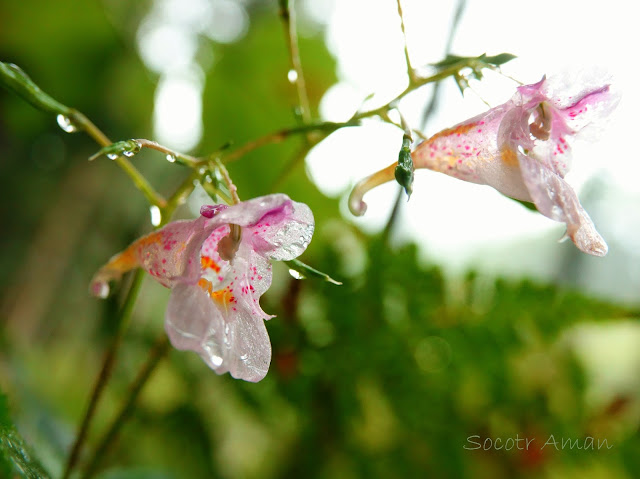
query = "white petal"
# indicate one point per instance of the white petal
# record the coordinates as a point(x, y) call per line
point(234, 341)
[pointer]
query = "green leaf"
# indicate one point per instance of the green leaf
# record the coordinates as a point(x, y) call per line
point(14, 452)
point(304, 270)
point(476, 64)
point(527, 204)
point(404, 170)
point(500, 59)
point(16, 80)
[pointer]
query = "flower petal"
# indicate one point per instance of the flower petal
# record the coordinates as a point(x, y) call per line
point(555, 199)
point(227, 340)
point(167, 254)
point(274, 225)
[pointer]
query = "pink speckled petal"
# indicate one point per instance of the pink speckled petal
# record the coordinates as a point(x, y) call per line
point(168, 254)
point(274, 225)
point(235, 342)
point(555, 199)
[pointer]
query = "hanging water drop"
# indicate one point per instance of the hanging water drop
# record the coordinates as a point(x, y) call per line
point(112, 156)
point(66, 124)
point(171, 158)
point(296, 274)
point(292, 75)
point(128, 154)
point(156, 215)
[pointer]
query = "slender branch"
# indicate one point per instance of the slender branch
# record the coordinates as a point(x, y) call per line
point(288, 16)
point(227, 179)
point(158, 351)
point(80, 121)
point(386, 233)
point(277, 137)
point(187, 160)
point(410, 71)
point(121, 327)
point(435, 96)
point(105, 371)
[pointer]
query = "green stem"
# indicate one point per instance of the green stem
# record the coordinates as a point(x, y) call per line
point(288, 16)
point(105, 372)
point(410, 71)
point(186, 160)
point(157, 353)
point(277, 137)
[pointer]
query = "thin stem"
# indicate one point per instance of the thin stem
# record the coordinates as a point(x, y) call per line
point(277, 137)
point(123, 321)
point(433, 103)
point(157, 353)
point(105, 371)
point(227, 179)
point(288, 16)
point(153, 197)
point(410, 71)
point(178, 197)
point(187, 160)
point(392, 217)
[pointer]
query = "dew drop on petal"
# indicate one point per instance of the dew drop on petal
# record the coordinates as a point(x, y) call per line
point(225, 337)
point(244, 358)
point(171, 158)
point(66, 124)
point(156, 215)
point(100, 290)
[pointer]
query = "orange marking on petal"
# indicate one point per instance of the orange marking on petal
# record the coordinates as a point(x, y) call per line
point(509, 157)
point(207, 262)
point(223, 296)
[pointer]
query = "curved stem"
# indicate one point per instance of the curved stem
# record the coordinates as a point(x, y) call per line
point(105, 371)
point(157, 353)
point(410, 71)
point(187, 160)
point(82, 122)
point(288, 16)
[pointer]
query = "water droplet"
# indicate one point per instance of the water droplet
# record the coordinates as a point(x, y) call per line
point(112, 156)
point(296, 274)
point(215, 360)
point(171, 158)
point(128, 154)
point(100, 289)
point(208, 179)
point(292, 75)
point(244, 358)
point(202, 170)
point(156, 215)
point(66, 124)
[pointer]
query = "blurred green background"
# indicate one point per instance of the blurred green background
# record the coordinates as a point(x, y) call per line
point(387, 375)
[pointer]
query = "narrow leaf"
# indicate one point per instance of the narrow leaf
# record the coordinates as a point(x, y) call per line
point(16, 80)
point(13, 449)
point(304, 270)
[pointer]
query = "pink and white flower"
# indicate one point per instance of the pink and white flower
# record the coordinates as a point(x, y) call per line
point(521, 148)
point(214, 305)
